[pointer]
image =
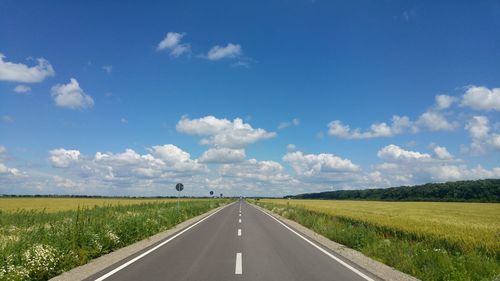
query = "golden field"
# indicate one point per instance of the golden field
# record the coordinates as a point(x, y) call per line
point(51, 205)
point(469, 224)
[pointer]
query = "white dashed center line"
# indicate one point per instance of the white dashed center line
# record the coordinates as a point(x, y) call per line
point(239, 267)
point(239, 231)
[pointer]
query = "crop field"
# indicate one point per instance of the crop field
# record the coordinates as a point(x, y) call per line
point(429, 240)
point(51, 205)
point(39, 242)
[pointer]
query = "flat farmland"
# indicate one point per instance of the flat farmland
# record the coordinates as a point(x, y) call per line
point(43, 237)
point(470, 224)
point(50, 205)
point(430, 240)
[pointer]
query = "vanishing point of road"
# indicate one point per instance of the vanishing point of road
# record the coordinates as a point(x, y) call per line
point(238, 242)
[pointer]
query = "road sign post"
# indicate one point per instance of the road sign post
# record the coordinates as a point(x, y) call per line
point(179, 187)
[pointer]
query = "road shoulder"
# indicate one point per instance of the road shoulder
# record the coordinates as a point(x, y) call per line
point(96, 265)
point(379, 269)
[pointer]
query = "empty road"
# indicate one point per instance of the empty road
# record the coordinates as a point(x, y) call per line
point(239, 242)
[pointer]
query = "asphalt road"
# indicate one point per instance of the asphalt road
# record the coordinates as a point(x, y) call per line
point(235, 245)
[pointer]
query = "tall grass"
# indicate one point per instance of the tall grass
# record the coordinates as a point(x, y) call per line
point(427, 257)
point(35, 245)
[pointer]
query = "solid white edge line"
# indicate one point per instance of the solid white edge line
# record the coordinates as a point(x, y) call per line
point(238, 269)
point(157, 246)
point(239, 231)
point(321, 249)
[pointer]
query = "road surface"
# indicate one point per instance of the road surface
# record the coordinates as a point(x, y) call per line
point(239, 242)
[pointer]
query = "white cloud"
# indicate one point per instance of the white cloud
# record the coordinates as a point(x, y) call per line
point(242, 63)
point(482, 138)
point(435, 121)
point(223, 155)
point(400, 124)
point(222, 132)
point(291, 147)
point(172, 42)
point(395, 153)
point(229, 51)
point(22, 89)
point(71, 96)
point(263, 171)
point(321, 166)
point(18, 72)
point(4, 170)
point(107, 68)
point(294, 122)
point(163, 163)
point(445, 101)
point(65, 183)
point(478, 127)
point(63, 158)
point(403, 167)
point(442, 153)
point(9, 171)
point(482, 98)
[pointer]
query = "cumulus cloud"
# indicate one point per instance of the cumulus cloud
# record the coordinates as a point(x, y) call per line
point(445, 101)
point(321, 167)
point(482, 138)
point(65, 183)
point(223, 155)
point(222, 132)
point(63, 158)
point(172, 42)
point(399, 125)
point(71, 96)
point(127, 169)
point(441, 152)
point(18, 72)
point(482, 98)
point(22, 89)
point(435, 121)
point(220, 52)
point(404, 167)
point(263, 171)
point(4, 170)
point(395, 153)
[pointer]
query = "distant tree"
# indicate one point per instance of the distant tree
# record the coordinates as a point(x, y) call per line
point(487, 190)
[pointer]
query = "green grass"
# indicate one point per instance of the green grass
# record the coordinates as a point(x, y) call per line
point(430, 245)
point(36, 245)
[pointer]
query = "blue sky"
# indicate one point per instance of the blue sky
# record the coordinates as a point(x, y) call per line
point(246, 97)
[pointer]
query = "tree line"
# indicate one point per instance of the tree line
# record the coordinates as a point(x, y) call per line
point(487, 190)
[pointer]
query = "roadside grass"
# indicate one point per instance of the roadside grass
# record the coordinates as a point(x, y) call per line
point(36, 245)
point(423, 254)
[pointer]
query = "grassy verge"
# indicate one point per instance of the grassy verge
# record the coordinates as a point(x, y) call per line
point(425, 257)
point(35, 245)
